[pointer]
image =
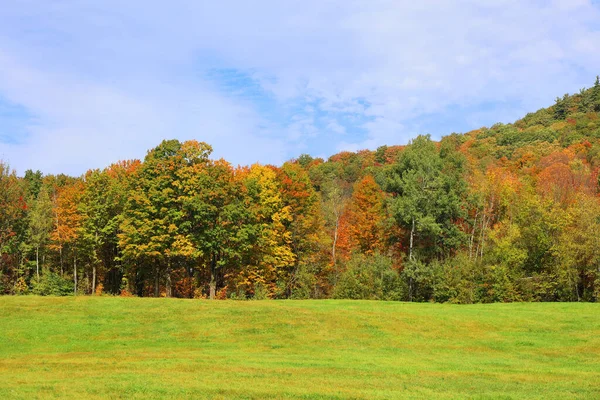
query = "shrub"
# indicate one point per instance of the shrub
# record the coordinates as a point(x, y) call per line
point(236, 295)
point(419, 278)
point(261, 291)
point(20, 286)
point(52, 284)
point(304, 283)
point(221, 294)
point(456, 280)
point(99, 289)
point(369, 277)
point(501, 287)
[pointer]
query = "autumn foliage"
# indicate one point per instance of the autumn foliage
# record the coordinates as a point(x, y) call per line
point(506, 213)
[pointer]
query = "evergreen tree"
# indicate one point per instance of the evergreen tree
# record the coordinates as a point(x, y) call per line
point(561, 108)
point(595, 98)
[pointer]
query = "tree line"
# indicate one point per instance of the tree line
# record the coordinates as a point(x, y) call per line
point(507, 213)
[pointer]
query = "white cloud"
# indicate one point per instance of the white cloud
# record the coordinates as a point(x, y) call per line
point(335, 127)
point(81, 124)
point(109, 80)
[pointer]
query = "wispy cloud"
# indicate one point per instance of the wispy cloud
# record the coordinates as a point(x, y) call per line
point(268, 80)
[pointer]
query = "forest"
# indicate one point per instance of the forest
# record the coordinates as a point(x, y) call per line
point(501, 214)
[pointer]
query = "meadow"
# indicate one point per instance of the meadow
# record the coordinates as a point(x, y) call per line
point(141, 348)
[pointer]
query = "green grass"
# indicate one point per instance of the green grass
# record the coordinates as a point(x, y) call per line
point(104, 347)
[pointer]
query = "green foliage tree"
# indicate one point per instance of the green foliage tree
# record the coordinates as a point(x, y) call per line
point(155, 229)
point(216, 216)
point(425, 200)
point(426, 188)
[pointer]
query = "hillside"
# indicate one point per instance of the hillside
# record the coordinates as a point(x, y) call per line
point(106, 347)
point(500, 214)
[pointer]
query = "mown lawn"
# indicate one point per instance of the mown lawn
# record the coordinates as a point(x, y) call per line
point(104, 347)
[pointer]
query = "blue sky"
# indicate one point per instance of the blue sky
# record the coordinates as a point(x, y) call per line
point(83, 85)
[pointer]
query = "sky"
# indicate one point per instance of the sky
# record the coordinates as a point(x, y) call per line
point(84, 84)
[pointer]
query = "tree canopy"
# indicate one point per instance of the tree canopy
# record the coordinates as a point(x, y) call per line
point(505, 213)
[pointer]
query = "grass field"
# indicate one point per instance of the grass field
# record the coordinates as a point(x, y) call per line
point(104, 347)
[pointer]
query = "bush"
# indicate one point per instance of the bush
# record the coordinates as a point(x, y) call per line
point(304, 283)
point(420, 279)
point(20, 286)
point(369, 277)
point(500, 285)
point(236, 296)
point(461, 280)
point(261, 292)
point(52, 284)
point(540, 287)
point(456, 280)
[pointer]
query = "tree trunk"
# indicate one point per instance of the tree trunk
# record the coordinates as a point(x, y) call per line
point(156, 282)
point(472, 238)
point(37, 262)
point(479, 250)
point(94, 279)
point(485, 223)
point(191, 283)
point(213, 278)
point(169, 288)
point(335, 239)
point(483, 229)
point(412, 235)
point(411, 258)
point(75, 272)
point(59, 238)
point(96, 258)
